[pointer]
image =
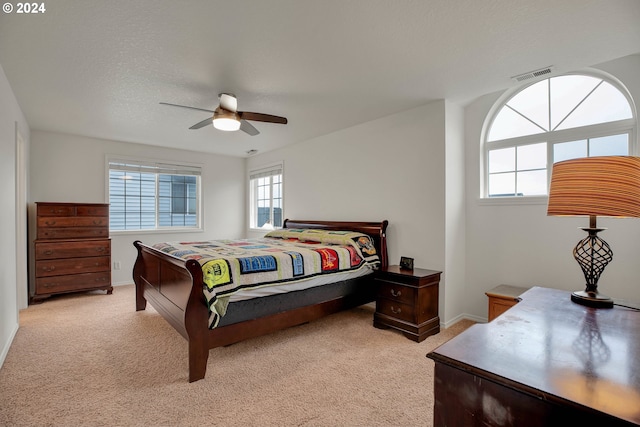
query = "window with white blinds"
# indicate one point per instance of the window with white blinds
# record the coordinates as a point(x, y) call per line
point(266, 197)
point(153, 195)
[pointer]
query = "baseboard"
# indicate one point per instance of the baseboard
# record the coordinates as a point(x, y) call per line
point(7, 345)
point(464, 316)
point(129, 282)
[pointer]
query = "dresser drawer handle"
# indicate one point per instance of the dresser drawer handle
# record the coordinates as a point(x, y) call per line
point(49, 252)
point(47, 269)
point(100, 249)
point(49, 285)
point(396, 310)
point(97, 222)
point(50, 222)
point(395, 293)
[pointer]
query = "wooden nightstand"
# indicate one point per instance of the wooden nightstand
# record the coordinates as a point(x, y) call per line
point(502, 298)
point(408, 301)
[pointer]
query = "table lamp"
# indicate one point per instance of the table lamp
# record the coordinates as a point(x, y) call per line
point(595, 186)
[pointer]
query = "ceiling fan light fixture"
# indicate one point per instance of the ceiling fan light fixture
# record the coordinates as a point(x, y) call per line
point(226, 120)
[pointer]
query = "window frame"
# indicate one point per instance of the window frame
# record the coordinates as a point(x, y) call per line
point(159, 167)
point(628, 126)
point(253, 193)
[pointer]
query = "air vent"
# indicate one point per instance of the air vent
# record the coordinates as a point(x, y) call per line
point(532, 74)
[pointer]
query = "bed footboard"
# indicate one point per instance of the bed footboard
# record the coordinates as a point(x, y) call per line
point(174, 289)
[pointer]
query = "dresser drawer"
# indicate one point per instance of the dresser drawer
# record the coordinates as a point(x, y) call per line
point(55, 210)
point(72, 233)
point(71, 209)
point(396, 291)
point(90, 210)
point(59, 267)
point(75, 282)
point(73, 221)
point(87, 248)
point(396, 309)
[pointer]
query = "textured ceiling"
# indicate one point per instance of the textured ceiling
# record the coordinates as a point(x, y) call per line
point(100, 67)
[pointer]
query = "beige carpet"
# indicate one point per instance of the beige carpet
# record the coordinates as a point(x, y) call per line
point(92, 360)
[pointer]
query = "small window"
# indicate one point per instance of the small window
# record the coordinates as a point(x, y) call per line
point(556, 119)
point(516, 171)
point(153, 196)
point(266, 197)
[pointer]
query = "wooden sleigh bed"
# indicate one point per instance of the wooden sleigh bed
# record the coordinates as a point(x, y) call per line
point(174, 287)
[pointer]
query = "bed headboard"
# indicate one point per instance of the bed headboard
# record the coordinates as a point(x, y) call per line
point(377, 230)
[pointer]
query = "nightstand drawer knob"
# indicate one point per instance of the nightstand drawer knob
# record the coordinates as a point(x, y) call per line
point(396, 310)
point(395, 293)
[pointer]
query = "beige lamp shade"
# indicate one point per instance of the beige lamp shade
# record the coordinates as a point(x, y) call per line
point(596, 186)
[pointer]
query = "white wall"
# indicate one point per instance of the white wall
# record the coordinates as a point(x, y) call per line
point(11, 120)
point(392, 168)
point(455, 216)
point(520, 245)
point(71, 168)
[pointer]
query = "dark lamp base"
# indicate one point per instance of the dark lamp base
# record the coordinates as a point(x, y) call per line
point(592, 299)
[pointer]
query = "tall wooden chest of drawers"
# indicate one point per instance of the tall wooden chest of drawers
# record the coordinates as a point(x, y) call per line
point(72, 249)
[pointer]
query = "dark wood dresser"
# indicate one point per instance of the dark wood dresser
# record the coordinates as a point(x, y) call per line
point(72, 249)
point(545, 362)
point(408, 301)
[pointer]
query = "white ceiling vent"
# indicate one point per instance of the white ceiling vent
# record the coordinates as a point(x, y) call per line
point(533, 74)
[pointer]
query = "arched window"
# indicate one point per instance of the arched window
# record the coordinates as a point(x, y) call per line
point(559, 118)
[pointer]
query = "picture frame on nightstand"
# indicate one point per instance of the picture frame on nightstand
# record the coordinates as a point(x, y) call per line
point(406, 263)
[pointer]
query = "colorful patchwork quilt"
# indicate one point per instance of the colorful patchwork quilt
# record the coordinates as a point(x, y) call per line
point(282, 256)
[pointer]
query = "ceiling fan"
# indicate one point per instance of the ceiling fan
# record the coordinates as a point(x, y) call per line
point(227, 117)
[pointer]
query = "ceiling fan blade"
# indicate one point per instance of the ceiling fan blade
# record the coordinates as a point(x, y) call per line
point(247, 127)
point(228, 101)
point(203, 123)
point(186, 106)
point(259, 117)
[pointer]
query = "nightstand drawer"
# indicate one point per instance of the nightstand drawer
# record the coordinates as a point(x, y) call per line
point(396, 291)
point(396, 309)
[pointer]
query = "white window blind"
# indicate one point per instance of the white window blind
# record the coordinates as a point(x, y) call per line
point(153, 195)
